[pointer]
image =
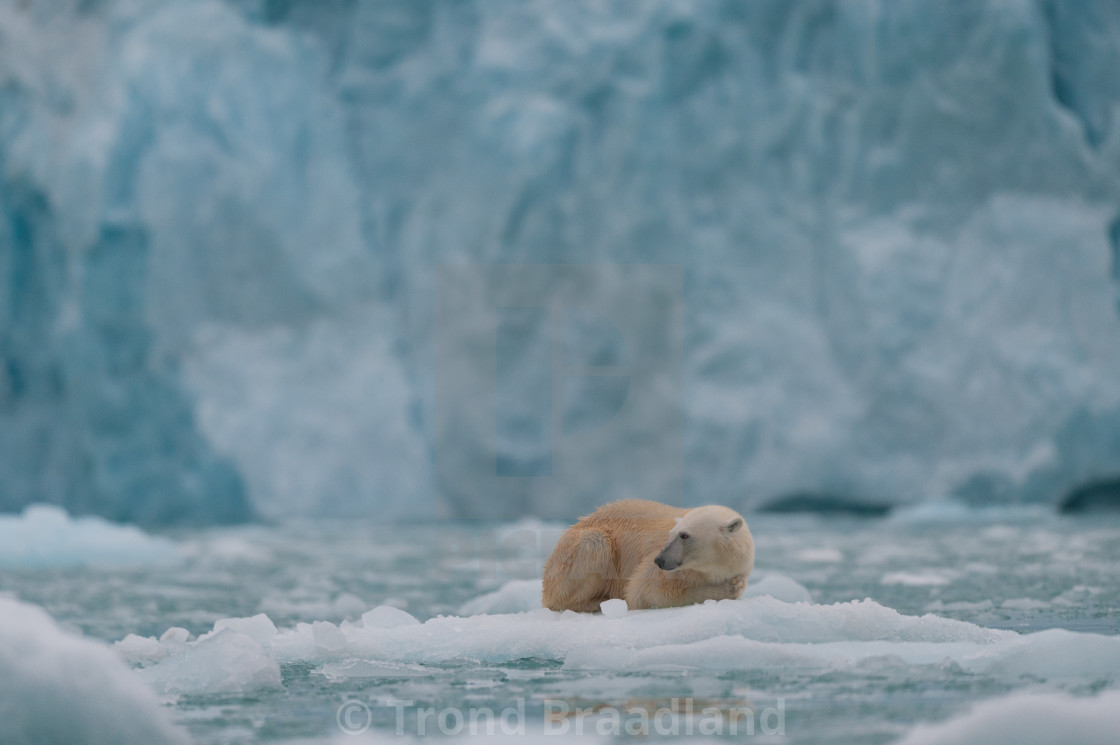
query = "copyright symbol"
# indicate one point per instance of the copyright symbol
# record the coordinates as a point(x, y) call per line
point(354, 717)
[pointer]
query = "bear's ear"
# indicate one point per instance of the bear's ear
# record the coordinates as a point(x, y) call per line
point(734, 525)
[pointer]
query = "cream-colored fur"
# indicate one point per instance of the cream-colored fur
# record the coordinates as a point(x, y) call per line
point(707, 554)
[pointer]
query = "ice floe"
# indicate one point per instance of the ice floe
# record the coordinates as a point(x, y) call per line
point(1035, 718)
point(521, 595)
point(56, 687)
point(241, 654)
point(45, 536)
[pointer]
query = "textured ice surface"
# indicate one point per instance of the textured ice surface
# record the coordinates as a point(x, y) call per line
point(45, 536)
point(896, 222)
point(231, 658)
point(758, 633)
point(224, 662)
point(56, 687)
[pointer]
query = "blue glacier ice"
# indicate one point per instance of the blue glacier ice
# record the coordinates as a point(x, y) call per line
point(897, 222)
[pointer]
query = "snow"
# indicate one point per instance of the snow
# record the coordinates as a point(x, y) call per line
point(1035, 718)
point(614, 608)
point(45, 536)
point(56, 687)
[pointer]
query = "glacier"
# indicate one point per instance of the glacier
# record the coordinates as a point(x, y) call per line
point(897, 225)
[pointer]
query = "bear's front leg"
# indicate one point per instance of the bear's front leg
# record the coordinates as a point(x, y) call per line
point(734, 586)
point(652, 587)
point(701, 589)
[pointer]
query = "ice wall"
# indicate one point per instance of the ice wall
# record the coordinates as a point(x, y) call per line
point(897, 223)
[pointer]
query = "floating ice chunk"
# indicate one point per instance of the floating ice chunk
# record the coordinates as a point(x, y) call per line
point(533, 539)
point(514, 596)
point(1077, 596)
point(142, 650)
point(780, 587)
point(1053, 655)
point(348, 606)
point(952, 510)
point(1024, 604)
point(819, 556)
point(545, 634)
point(46, 536)
point(235, 546)
point(916, 579)
point(60, 688)
point(175, 634)
point(225, 661)
point(752, 633)
point(721, 653)
point(327, 636)
point(1038, 719)
point(259, 627)
point(614, 608)
point(1058, 654)
point(961, 605)
point(344, 606)
point(387, 617)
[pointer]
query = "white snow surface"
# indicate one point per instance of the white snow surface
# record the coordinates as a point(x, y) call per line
point(45, 536)
point(57, 688)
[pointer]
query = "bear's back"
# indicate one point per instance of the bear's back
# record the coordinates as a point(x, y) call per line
point(636, 528)
point(632, 511)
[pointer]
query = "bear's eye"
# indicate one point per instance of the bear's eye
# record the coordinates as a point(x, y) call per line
point(685, 536)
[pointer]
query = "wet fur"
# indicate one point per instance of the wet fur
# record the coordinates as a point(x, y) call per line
point(611, 553)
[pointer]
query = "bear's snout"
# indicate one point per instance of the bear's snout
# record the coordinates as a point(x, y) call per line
point(671, 556)
point(668, 564)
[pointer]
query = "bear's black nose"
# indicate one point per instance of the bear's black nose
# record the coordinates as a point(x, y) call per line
point(660, 562)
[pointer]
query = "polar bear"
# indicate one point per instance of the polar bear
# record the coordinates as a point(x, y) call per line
point(651, 555)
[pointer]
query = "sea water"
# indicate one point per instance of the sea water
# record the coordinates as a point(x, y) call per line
point(852, 630)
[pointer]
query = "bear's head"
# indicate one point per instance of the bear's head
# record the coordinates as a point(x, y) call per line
point(711, 540)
